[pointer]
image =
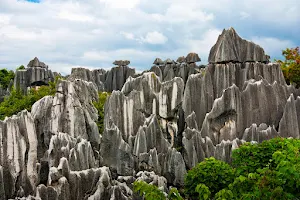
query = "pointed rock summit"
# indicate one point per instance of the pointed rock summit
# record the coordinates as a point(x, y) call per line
point(36, 63)
point(158, 61)
point(230, 47)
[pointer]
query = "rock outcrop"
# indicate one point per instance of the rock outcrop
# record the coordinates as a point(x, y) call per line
point(36, 74)
point(230, 47)
point(157, 125)
point(108, 81)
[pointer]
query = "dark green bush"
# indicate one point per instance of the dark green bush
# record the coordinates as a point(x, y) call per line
point(17, 102)
point(100, 107)
point(212, 173)
point(148, 191)
point(5, 77)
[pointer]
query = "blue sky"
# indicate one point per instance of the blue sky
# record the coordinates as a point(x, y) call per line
point(94, 33)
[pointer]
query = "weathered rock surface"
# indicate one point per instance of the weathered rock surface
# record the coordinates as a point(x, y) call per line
point(96, 76)
point(121, 62)
point(230, 47)
point(157, 124)
point(36, 73)
point(113, 79)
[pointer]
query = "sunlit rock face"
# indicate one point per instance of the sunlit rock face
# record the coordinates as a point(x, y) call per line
point(157, 124)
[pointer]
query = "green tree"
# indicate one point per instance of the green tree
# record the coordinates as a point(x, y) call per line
point(100, 107)
point(291, 65)
point(5, 77)
point(17, 102)
point(211, 173)
point(148, 191)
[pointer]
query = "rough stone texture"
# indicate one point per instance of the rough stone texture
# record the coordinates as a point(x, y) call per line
point(259, 133)
point(96, 76)
point(158, 61)
point(121, 62)
point(116, 77)
point(36, 63)
point(157, 125)
point(113, 79)
point(230, 47)
point(192, 58)
point(181, 59)
point(18, 155)
point(35, 72)
point(70, 111)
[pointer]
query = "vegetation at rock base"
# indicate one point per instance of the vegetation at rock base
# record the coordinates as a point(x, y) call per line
point(17, 101)
point(100, 107)
point(210, 174)
point(270, 170)
point(291, 65)
point(5, 77)
point(152, 192)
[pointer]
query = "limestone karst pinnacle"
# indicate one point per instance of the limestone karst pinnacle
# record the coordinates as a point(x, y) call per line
point(157, 124)
point(230, 47)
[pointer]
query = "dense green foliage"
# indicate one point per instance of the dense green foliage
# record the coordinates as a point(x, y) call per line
point(212, 174)
point(148, 191)
point(291, 65)
point(5, 77)
point(17, 102)
point(270, 170)
point(100, 107)
point(151, 192)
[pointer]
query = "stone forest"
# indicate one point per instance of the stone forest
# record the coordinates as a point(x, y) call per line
point(154, 128)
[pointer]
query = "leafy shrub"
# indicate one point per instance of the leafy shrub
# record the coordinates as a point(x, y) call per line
point(100, 107)
point(17, 102)
point(212, 173)
point(277, 177)
point(5, 77)
point(250, 157)
point(174, 194)
point(151, 192)
point(148, 191)
point(291, 65)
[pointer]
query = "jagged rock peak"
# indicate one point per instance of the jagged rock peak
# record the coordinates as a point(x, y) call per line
point(180, 59)
point(158, 61)
point(36, 63)
point(121, 62)
point(192, 58)
point(169, 61)
point(230, 47)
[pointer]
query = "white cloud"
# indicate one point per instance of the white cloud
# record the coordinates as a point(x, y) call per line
point(273, 45)
point(94, 33)
point(244, 15)
point(155, 37)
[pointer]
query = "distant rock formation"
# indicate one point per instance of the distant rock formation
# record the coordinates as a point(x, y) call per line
point(36, 73)
point(157, 125)
point(108, 81)
point(182, 68)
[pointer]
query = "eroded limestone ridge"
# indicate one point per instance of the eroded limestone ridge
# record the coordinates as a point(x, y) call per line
point(157, 124)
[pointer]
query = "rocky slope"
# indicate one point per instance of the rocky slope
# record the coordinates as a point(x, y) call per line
point(157, 125)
